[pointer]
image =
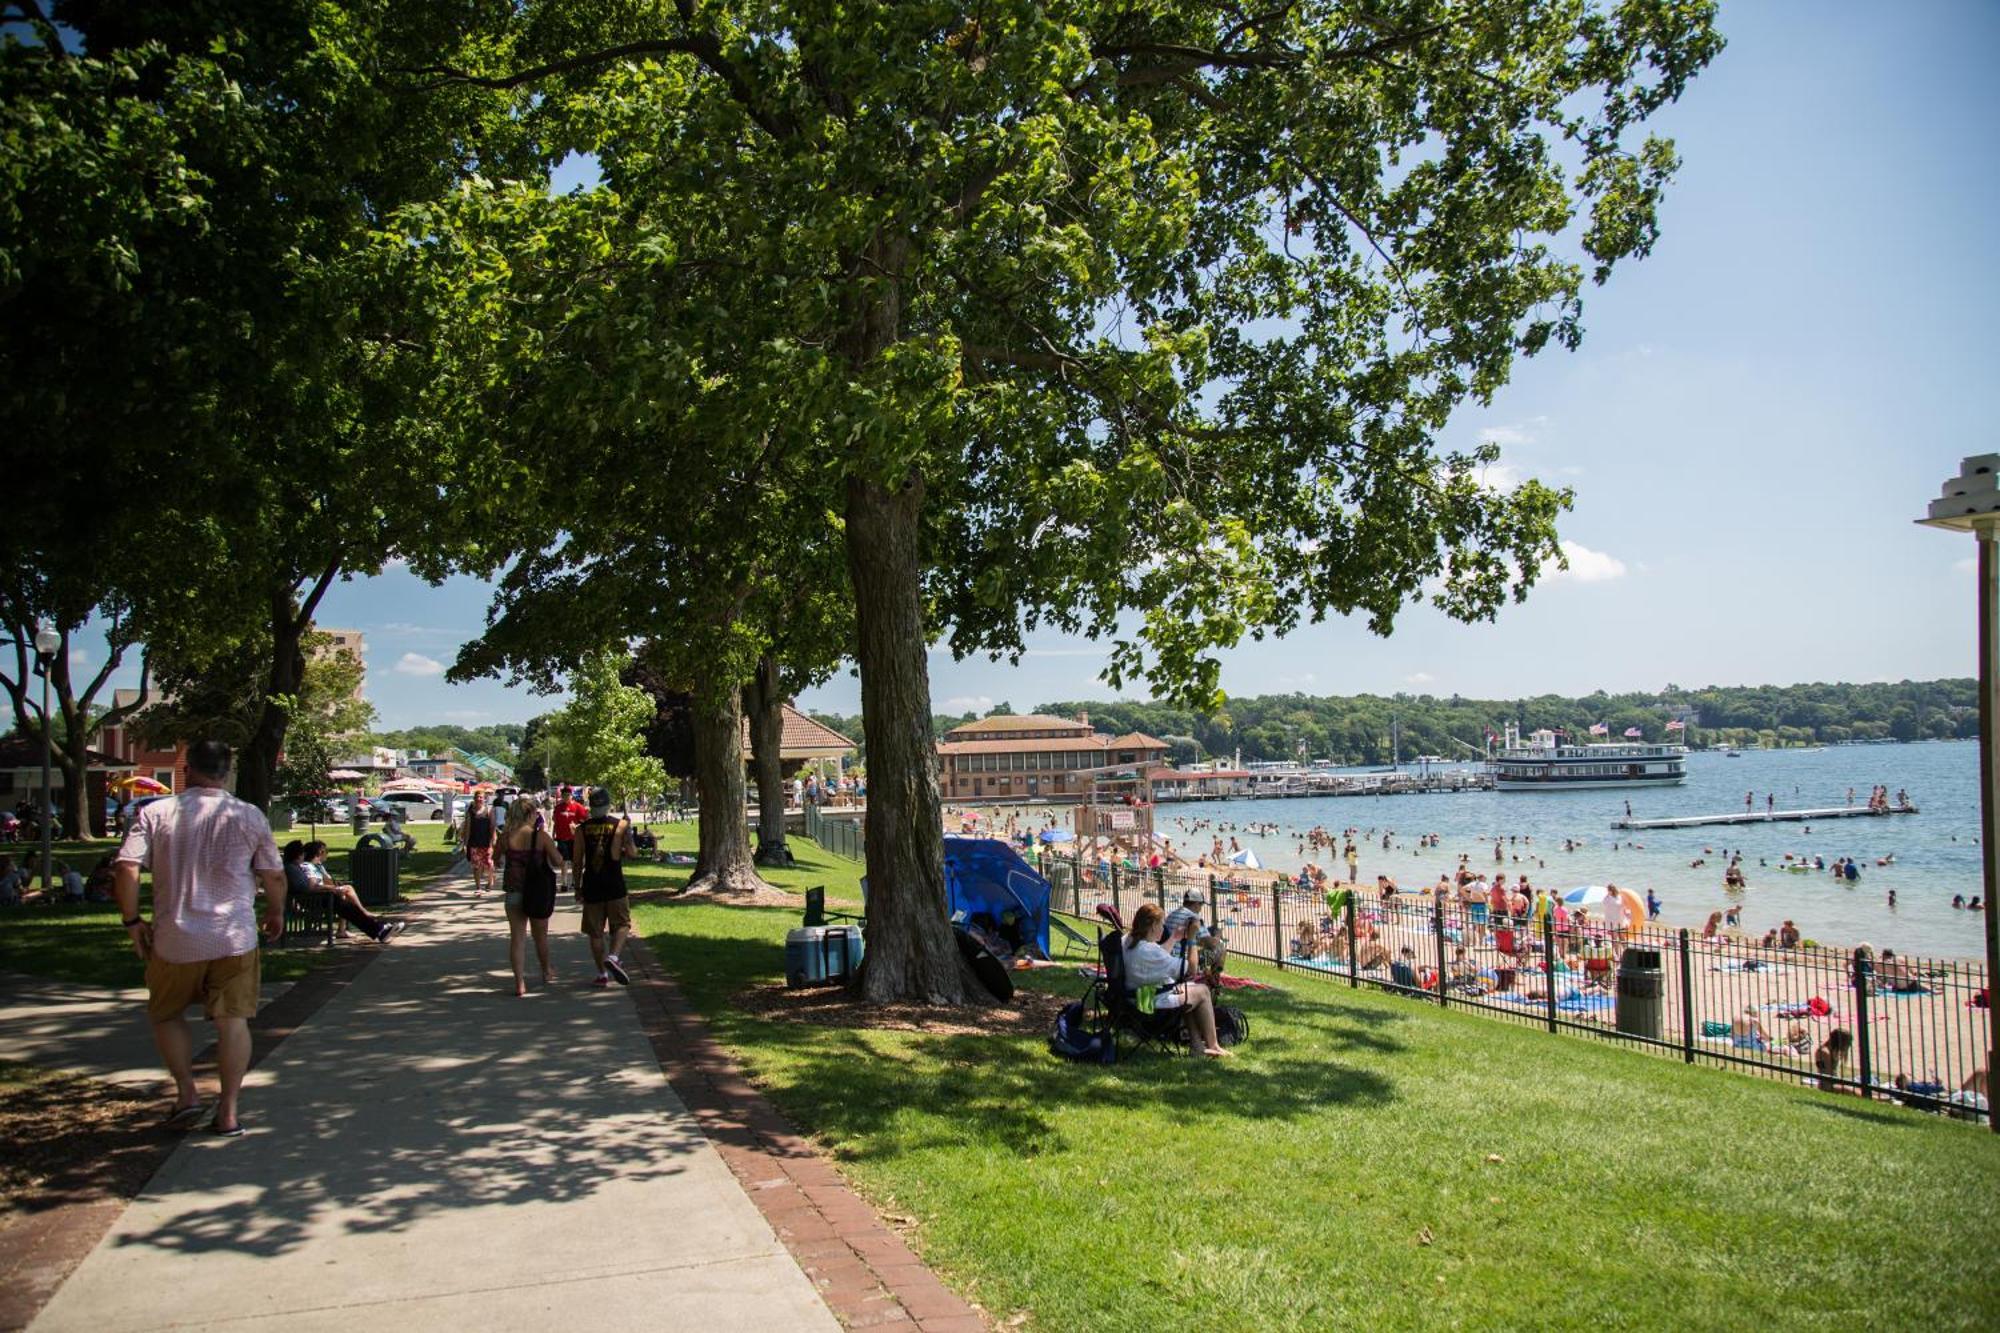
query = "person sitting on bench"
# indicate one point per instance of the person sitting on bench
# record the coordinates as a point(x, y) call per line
point(1147, 964)
point(302, 859)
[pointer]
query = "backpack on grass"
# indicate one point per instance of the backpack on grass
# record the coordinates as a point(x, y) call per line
point(1072, 1039)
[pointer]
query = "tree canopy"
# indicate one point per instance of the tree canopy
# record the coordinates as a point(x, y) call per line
point(1081, 312)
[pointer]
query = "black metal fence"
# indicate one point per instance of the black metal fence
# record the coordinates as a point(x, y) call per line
point(1916, 1028)
point(839, 833)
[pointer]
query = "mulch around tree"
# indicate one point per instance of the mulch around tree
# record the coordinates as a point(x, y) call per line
point(71, 1139)
point(1029, 1013)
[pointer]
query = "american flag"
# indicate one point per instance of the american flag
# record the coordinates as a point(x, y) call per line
point(1599, 729)
point(1676, 725)
point(1634, 733)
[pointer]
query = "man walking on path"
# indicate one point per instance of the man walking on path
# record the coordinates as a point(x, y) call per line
point(208, 852)
point(480, 832)
point(569, 812)
point(601, 844)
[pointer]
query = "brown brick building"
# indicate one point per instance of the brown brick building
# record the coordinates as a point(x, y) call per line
point(1025, 758)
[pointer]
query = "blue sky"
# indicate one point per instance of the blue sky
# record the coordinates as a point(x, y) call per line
point(1757, 413)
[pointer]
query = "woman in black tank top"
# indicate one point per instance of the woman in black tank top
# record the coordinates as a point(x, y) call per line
point(530, 888)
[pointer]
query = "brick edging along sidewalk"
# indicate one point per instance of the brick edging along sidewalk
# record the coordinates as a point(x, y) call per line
point(868, 1277)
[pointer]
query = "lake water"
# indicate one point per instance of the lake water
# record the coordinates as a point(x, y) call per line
point(1936, 852)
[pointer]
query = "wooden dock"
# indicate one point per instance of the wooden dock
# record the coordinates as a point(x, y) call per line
point(1767, 817)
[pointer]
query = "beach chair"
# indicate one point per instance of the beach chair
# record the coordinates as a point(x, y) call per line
point(1072, 941)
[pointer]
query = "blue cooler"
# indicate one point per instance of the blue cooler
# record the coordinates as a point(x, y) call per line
point(821, 955)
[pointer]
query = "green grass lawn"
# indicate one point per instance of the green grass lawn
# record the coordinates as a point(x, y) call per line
point(84, 943)
point(1369, 1161)
point(840, 877)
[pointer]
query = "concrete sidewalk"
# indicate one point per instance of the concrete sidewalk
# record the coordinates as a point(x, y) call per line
point(430, 1151)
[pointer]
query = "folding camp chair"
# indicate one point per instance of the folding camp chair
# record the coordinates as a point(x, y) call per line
point(1117, 1007)
point(817, 915)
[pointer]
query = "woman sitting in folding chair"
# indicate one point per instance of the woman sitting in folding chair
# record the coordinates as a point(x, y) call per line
point(1147, 964)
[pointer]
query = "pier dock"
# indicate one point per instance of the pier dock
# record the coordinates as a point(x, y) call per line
point(1767, 817)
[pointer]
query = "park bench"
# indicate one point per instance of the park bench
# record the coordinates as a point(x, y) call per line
point(309, 919)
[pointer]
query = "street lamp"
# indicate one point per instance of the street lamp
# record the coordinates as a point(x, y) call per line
point(1971, 503)
point(46, 643)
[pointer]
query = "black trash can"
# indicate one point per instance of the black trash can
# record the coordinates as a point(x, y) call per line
point(376, 866)
point(1642, 989)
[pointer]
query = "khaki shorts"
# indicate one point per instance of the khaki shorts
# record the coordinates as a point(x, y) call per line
point(613, 915)
point(226, 987)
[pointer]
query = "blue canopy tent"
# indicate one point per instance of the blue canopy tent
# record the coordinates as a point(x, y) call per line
point(985, 875)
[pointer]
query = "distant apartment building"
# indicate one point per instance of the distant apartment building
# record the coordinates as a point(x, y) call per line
point(1034, 757)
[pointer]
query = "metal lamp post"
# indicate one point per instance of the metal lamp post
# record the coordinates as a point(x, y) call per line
point(46, 643)
point(1971, 503)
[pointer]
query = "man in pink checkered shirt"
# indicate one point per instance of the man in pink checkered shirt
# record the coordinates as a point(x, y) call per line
point(208, 852)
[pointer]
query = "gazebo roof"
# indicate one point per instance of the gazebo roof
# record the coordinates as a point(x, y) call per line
point(804, 738)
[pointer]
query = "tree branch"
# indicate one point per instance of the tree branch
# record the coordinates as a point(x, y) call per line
point(705, 47)
point(320, 585)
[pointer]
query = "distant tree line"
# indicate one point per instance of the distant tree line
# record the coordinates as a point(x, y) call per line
point(1358, 729)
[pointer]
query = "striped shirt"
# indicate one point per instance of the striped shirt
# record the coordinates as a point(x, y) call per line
point(203, 847)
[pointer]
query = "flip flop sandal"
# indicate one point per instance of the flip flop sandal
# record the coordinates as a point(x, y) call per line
point(184, 1117)
point(234, 1132)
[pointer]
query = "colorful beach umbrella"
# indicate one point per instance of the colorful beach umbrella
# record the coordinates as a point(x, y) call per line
point(136, 785)
point(1054, 835)
point(1593, 896)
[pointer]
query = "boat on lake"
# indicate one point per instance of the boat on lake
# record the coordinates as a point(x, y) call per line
point(1544, 763)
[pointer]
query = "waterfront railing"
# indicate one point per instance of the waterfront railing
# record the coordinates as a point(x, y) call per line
point(1918, 1025)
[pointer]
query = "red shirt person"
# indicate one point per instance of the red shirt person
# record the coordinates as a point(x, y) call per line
point(569, 812)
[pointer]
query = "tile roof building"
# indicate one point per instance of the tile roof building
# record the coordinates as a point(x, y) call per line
point(802, 739)
point(1032, 757)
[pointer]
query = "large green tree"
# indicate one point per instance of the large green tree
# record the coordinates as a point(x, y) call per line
point(200, 324)
point(1084, 312)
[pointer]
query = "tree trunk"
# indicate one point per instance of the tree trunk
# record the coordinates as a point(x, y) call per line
point(765, 702)
point(723, 867)
point(912, 955)
point(257, 766)
point(72, 750)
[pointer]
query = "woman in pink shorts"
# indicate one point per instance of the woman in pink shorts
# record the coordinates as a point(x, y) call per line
point(478, 835)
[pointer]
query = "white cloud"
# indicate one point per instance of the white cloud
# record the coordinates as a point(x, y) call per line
point(1295, 682)
point(1419, 678)
point(416, 664)
point(968, 703)
point(1969, 565)
point(78, 656)
point(1500, 477)
point(1585, 566)
point(1505, 436)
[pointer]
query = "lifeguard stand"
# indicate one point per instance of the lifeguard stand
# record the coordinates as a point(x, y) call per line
point(1114, 816)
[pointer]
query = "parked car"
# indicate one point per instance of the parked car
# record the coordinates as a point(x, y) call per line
point(411, 804)
point(327, 810)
